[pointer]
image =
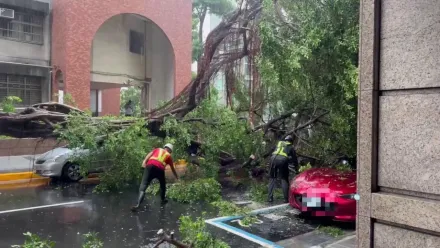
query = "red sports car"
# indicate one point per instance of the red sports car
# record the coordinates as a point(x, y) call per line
point(325, 192)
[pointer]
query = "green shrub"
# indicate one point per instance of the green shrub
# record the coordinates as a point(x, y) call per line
point(207, 190)
point(248, 220)
point(226, 208)
point(8, 104)
point(92, 241)
point(330, 230)
point(194, 232)
point(303, 168)
point(122, 152)
point(69, 100)
point(34, 241)
point(343, 167)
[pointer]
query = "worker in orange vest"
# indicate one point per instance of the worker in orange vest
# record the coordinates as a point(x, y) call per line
point(154, 167)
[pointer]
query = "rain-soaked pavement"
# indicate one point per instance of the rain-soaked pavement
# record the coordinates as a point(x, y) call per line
point(107, 214)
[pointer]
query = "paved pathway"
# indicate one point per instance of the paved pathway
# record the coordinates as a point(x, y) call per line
point(348, 242)
point(16, 163)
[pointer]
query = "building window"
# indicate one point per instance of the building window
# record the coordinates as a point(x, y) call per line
point(137, 42)
point(24, 27)
point(26, 87)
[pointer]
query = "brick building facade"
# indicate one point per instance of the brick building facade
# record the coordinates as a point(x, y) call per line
point(97, 47)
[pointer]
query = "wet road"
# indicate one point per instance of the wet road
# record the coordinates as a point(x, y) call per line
point(107, 214)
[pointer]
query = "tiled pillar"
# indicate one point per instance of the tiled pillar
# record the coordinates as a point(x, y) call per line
point(399, 124)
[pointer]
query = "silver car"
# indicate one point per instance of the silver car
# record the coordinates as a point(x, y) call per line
point(60, 163)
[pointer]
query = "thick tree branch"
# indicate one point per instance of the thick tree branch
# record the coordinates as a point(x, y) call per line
point(169, 239)
point(271, 122)
point(308, 123)
point(279, 13)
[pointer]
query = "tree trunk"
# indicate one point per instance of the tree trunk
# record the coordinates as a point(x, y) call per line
point(202, 17)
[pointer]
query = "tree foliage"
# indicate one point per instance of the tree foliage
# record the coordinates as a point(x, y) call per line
point(91, 240)
point(34, 241)
point(196, 43)
point(195, 232)
point(219, 129)
point(199, 190)
point(8, 104)
point(122, 152)
point(308, 63)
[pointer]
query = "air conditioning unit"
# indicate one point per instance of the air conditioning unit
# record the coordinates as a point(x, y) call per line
point(7, 13)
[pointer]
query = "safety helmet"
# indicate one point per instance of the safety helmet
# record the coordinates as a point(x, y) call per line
point(169, 146)
point(289, 138)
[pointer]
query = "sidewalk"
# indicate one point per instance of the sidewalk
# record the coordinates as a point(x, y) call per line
point(12, 164)
point(16, 172)
point(316, 239)
point(348, 242)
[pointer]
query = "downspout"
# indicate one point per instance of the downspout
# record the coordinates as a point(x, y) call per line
point(145, 105)
point(51, 72)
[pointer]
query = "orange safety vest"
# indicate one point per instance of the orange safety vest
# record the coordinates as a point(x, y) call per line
point(161, 155)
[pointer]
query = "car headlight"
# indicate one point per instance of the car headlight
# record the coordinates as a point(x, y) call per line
point(350, 196)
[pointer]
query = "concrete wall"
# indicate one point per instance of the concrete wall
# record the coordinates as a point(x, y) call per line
point(111, 54)
point(114, 64)
point(399, 124)
point(162, 67)
point(28, 53)
point(17, 155)
point(21, 52)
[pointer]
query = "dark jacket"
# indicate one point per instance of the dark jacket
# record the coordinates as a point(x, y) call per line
point(284, 154)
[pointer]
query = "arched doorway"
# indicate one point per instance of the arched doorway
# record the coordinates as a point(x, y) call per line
point(130, 50)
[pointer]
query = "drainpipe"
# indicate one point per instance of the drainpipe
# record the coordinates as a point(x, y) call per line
point(51, 75)
point(145, 104)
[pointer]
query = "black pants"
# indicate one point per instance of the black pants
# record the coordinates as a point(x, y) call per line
point(151, 172)
point(279, 170)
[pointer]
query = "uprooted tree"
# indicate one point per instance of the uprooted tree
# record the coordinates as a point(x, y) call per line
point(39, 120)
point(305, 52)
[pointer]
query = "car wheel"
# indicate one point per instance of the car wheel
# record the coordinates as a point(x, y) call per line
point(71, 172)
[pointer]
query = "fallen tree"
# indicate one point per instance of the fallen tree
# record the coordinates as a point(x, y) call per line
point(242, 28)
point(40, 120)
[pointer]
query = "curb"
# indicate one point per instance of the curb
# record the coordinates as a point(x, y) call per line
point(21, 180)
point(17, 184)
point(6, 177)
point(12, 180)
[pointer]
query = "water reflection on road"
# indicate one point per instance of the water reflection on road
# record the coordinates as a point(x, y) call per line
point(107, 214)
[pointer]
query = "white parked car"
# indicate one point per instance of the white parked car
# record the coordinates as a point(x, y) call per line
point(60, 163)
